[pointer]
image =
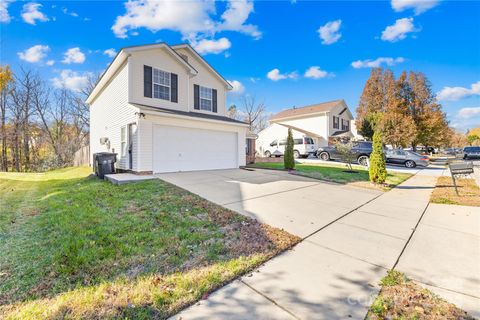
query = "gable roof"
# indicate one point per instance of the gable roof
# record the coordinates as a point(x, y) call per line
point(307, 110)
point(125, 52)
point(203, 61)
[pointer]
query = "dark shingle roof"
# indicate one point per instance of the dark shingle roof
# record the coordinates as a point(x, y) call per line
point(188, 113)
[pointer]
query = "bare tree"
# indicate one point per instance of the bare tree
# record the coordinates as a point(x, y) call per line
point(80, 111)
point(6, 80)
point(254, 113)
point(25, 82)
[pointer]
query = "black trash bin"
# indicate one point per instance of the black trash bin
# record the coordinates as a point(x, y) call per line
point(104, 163)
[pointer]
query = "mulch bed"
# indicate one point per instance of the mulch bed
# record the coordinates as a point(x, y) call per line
point(408, 300)
point(444, 193)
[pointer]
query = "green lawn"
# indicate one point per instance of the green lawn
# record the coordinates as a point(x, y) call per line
point(337, 173)
point(74, 246)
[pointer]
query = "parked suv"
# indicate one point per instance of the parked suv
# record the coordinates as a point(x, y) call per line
point(302, 147)
point(471, 152)
point(362, 150)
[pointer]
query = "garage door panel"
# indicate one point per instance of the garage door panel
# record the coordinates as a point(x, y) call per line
point(188, 149)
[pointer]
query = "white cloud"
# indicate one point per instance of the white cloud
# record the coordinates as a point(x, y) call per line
point(329, 33)
point(73, 55)
point(466, 118)
point(205, 46)
point(50, 62)
point(236, 15)
point(457, 93)
point(377, 62)
point(34, 54)
point(183, 16)
point(466, 113)
point(192, 19)
point(399, 30)
point(419, 6)
point(238, 87)
point(275, 75)
point(31, 13)
point(70, 13)
point(71, 80)
point(4, 15)
point(315, 72)
point(110, 52)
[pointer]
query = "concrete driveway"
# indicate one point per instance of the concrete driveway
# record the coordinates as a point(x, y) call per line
point(351, 237)
point(296, 204)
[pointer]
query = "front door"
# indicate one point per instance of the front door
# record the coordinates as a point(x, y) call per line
point(130, 145)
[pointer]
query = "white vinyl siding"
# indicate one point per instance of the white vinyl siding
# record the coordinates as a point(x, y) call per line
point(161, 84)
point(109, 112)
point(207, 79)
point(161, 60)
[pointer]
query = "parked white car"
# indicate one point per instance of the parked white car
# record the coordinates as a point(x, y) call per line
point(303, 147)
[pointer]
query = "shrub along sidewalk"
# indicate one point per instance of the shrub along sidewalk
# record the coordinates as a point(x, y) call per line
point(79, 247)
point(338, 174)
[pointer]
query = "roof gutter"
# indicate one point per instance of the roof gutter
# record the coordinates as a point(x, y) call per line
point(177, 116)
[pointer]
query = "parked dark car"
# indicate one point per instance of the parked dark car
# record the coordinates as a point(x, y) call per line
point(407, 158)
point(362, 150)
point(471, 152)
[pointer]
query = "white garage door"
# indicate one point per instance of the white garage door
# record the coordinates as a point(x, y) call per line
point(188, 149)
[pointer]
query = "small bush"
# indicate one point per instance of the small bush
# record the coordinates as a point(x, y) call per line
point(288, 159)
point(377, 170)
point(380, 306)
point(393, 278)
point(346, 152)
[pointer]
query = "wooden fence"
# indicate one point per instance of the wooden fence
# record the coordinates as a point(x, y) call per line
point(82, 157)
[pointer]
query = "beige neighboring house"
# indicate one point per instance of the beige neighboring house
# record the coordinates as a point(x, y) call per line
point(320, 121)
point(163, 108)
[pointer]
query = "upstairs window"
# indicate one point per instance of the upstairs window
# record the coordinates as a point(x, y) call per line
point(336, 124)
point(206, 98)
point(345, 125)
point(161, 84)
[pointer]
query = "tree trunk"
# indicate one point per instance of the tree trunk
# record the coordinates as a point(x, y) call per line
point(25, 129)
point(16, 153)
point(4, 163)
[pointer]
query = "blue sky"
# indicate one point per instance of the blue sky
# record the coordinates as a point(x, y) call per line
point(266, 47)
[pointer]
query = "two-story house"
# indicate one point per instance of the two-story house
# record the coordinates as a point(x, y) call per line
point(162, 108)
point(321, 122)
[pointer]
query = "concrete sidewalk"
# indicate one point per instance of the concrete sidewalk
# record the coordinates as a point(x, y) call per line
point(334, 272)
point(444, 255)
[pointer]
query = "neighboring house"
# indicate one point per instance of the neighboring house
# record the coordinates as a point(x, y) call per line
point(353, 128)
point(321, 122)
point(162, 108)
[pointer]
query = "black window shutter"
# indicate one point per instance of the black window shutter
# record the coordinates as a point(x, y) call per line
point(173, 87)
point(147, 81)
point(196, 97)
point(214, 100)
